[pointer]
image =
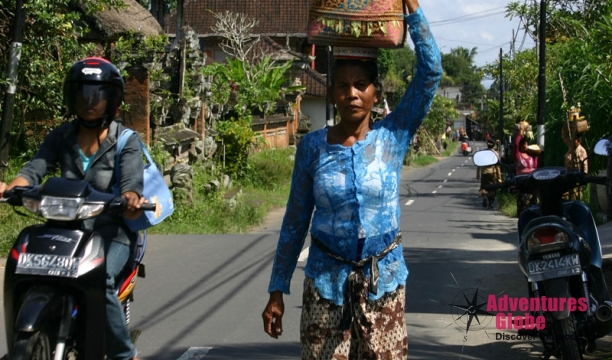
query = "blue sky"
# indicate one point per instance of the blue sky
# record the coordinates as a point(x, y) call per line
point(476, 23)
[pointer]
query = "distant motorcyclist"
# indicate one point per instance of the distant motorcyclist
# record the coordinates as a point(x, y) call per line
point(85, 149)
point(488, 175)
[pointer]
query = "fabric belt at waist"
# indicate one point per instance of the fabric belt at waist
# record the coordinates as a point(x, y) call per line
point(351, 299)
point(372, 259)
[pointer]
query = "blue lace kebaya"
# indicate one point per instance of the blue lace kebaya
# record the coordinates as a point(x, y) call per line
point(354, 190)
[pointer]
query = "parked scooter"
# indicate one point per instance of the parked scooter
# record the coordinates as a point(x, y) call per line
point(55, 278)
point(560, 254)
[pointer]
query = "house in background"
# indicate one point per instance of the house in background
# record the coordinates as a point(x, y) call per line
point(466, 118)
point(282, 27)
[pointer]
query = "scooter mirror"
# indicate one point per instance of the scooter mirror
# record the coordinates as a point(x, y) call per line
point(485, 158)
point(602, 146)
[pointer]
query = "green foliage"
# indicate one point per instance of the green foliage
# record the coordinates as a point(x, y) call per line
point(578, 70)
point(255, 85)
point(269, 169)
point(50, 46)
point(158, 153)
point(441, 111)
point(236, 138)
point(395, 68)
point(423, 160)
point(265, 189)
point(459, 69)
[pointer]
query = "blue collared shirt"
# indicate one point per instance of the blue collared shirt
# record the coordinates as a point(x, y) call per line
point(354, 191)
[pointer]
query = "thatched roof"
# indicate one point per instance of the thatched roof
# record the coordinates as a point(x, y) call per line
point(110, 24)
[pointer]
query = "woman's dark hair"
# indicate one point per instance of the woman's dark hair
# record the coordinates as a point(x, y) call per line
point(369, 67)
point(524, 140)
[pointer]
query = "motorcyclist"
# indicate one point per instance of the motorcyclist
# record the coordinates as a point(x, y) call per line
point(488, 175)
point(85, 149)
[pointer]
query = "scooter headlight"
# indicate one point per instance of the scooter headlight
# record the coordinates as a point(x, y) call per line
point(31, 204)
point(63, 209)
point(89, 210)
point(59, 208)
point(547, 239)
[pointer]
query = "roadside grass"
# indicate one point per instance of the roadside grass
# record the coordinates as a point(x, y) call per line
point(421, 160)
point(12, 222)
point(507, 203)
point(266, 188)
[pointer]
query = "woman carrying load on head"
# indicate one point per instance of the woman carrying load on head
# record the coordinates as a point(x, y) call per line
point(349, 175)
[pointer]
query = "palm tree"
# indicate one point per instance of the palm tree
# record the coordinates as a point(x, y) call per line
point(466, 54)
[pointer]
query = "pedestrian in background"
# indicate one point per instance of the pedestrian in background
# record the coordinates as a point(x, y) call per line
point(576, 160)
point(525, 162)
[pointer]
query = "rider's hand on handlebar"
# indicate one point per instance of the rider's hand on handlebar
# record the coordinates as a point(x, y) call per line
point(18, 181)
point(134, 202)
point(3, 188)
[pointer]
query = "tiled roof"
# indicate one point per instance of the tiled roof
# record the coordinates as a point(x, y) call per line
point(314, 81)
point(274, 16)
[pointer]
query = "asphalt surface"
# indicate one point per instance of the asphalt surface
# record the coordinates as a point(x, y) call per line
point(203, 294)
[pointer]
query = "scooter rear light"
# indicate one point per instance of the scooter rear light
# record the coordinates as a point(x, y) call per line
point(546, 235)
point(547, 239)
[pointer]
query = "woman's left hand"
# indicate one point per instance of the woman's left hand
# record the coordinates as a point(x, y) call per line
point(134, 202)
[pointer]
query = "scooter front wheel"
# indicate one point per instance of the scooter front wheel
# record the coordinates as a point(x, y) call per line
point(567, 338)
point(29, 346)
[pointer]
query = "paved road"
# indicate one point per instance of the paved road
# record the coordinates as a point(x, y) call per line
point(203, 294)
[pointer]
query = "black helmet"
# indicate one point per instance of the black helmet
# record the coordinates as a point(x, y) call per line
point(89, 81)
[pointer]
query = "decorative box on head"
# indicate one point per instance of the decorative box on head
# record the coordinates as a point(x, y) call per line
point(354, 53)
point(574, 126)
point(361, 23)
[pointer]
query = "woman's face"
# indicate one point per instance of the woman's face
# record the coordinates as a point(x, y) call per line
point(523, 146)
point(353, 93)
point(91, 102)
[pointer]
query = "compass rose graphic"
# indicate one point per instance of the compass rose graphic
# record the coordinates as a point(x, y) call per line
point(468, 312)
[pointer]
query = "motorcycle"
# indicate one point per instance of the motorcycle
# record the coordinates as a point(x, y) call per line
point(466, 149)
point(560, 256)
point(55, 278)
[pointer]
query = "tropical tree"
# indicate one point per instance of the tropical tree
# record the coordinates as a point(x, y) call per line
point(442, 110)
point(578, 70)
point(459, 66)
point(249, 81)
point(50, 45)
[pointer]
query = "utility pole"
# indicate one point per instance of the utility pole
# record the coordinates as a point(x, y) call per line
point(501, 99)
point(329, 108)
point(542, 80)
point(11, 88)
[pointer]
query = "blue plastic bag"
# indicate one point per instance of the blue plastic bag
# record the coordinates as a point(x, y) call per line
point(154, 190)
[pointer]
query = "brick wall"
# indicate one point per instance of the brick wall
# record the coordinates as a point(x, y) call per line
point(137, 97)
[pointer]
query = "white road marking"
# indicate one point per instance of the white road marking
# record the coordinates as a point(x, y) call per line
point(435, 191)
point(445, 180)
point(450, 173)
point(440, 187)
point(409, 202)
point(195, 353)
point(304, 254)
point(454, 170)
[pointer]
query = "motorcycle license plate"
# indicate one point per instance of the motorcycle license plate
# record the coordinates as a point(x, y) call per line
point(554, 268)
point(48, 265)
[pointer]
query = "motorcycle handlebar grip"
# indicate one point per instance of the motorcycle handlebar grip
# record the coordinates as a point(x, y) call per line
point(148, 207)
point(596, 179)
point(494, 186)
